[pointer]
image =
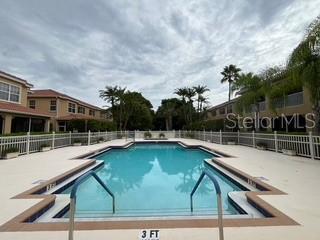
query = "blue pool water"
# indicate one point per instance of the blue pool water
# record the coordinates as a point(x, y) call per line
point(152, 180)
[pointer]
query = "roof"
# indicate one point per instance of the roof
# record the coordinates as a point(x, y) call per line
point(17, 108)
point(49, 93)
point(76, 117)
point(223, 104)
point(16, 79)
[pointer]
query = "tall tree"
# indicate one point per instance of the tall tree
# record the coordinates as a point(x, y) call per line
point(182, 92)
point(252, 91)
point(190, 95)
point(120, 96)
point(200, 90)
point(167, 110)
point(203, 100)
point(304, 65)
point(230, 74)
point(109, 94)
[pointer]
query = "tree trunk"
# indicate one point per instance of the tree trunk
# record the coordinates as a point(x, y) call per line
point(316, 112)
point(229, 91)
point(198, 107)
point(167, 124)
point(170, 122)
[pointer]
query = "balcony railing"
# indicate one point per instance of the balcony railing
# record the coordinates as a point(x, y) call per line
point(294, 99)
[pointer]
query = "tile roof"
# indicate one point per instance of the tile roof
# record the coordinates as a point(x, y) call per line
point(223, 104)
point(17, 108)
point(14, 78)
point(75, 117)
point(52, 93)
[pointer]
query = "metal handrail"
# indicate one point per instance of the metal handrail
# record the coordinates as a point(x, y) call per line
point(219, 199)
point(73, 197)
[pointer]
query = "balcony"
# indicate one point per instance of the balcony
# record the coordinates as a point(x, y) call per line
point(291, 100)
point(262, 107)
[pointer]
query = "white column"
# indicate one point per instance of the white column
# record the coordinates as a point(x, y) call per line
point(89, 135)
point(238, 137)
point(70, 138)
point(53, 139)
point(311, 145)
point(275, 141)
point(28, 143)
point(253, 139)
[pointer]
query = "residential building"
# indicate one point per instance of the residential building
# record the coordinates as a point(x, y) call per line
point(15, 115)
point(63, 108)
point(288, 113)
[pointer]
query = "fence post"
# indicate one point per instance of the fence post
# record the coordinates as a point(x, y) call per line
point(311, 145)
point(220, 136)
point(179, 133)
point(53, 139)
point(28, 142)
point(89, 136)
point(204, 135)
point(238, 137)
point(70, 138)
point(253, 139)
point(276, 141)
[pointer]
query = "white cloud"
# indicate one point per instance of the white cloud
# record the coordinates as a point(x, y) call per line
point(78, 46)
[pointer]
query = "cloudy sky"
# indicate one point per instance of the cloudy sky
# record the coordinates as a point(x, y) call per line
point(151, 46)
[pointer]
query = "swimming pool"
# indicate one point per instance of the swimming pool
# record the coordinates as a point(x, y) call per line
point(152, 179)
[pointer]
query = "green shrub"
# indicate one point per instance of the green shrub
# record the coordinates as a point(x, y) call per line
point(262, 145)
point(10, 150)
point(147, 135)
point(92, 125)
point(161, 135)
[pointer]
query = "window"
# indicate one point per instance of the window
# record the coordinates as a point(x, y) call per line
point(9, 92)
point(229, 109)
point(53, 105)
point(222, 110)
point(71, 108)
point(81, 110)
point(32, 104)
point(92, 112)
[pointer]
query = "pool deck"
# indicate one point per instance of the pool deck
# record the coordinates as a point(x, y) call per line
point(297, 176)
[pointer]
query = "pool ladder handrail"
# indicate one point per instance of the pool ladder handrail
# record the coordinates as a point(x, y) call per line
point(73, 197)
point(219, 199)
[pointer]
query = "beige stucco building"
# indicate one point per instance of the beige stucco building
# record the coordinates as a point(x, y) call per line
point(63, 108)
point(295, 107)
point(15, 116)
point(25, 110)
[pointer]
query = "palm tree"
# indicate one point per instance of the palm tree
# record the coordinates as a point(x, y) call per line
point(167, 110)
point(190, 95)
point(251, 89)
point(202, 100)
point(109, 94)
point(120, 95)
point(182, 92)
point(304, 65)
point(200, 90)
point(230, 74)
